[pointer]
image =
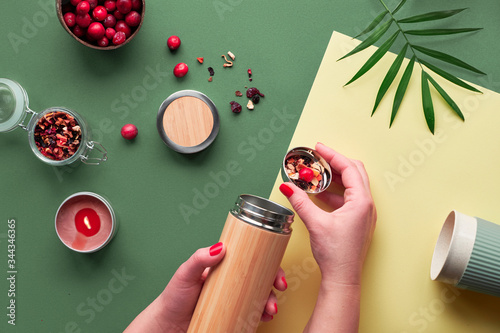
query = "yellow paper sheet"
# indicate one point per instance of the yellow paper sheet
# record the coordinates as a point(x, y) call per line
point(417, 178)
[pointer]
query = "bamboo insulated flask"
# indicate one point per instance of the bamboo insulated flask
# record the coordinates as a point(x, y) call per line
point(235, 292)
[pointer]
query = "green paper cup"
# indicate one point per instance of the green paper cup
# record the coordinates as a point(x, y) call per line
point(467, 254)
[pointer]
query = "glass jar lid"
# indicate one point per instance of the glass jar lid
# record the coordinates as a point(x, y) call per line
point(13, 105)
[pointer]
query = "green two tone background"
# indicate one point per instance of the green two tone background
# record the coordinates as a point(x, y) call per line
point(168, 204)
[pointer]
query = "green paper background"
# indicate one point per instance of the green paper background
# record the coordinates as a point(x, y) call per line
point(281, 41)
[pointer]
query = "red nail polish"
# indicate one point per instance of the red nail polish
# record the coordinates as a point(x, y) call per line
point(286, 190)
point(275, 308)
point(284, 281)
point(215, 249)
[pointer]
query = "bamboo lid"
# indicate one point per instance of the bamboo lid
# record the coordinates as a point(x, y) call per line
point(188, 121)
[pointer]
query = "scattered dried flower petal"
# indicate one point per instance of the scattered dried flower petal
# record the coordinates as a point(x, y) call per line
point(210, 79)
point(235, 107)
point(250, 105)
point(200, 60)
point(238, 93)
point(228, 63)
point(211, 71)
point(231, 55)
point(254, 91)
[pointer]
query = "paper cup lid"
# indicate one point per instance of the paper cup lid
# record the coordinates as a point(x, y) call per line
point(188, 121)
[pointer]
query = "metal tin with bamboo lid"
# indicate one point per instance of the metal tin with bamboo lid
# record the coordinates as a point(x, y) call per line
point(188, 121)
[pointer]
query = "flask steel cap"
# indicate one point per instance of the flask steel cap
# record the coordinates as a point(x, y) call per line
point(263, 213)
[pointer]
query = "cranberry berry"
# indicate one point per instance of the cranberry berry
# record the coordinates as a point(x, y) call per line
point(306, 174)
point(119, 38)
point(92, 3)
point(75, 2)
point(133, 19)
point(180, 69)
point(122, 26)
point(118, 15)
point(173, 42)
point(79, 31)
point(96, 30)
point(124, 6)
point(83, 8)
point(110, 5)
point(109, 21)
point(99, 13)
point(129, 131)
point(83, 21)
point(136, 5)
point(103, 42)
point(70, 19)
point(110, 33)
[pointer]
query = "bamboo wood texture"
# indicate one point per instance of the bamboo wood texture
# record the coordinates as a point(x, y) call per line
point(234, 295)
point(188, 121)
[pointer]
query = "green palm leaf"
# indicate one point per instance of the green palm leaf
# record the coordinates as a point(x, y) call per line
point(377, 28)
point(437, 32)
point(381, 51)
point(400, 92)
point(427, 102)
point(398, 7)
point(375, 36)
point(446, 97)
point(448, 76)
point(389, 77)
point(447, 58)
point(372, 25)
point(432, 16)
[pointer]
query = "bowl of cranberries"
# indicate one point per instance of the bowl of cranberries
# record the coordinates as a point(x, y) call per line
point(101, 24)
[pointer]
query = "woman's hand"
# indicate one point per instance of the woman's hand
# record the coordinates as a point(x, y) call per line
point(173, 309)
point(339, 241)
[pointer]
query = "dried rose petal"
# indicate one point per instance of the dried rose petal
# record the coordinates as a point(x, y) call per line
point(235, 107)
point(254, 91)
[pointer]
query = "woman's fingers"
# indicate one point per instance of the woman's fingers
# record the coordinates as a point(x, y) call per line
point(333, 200)
point(301, 203)
point(348, 170)
point(192, 271)
point(271, 308)
point(280, 280)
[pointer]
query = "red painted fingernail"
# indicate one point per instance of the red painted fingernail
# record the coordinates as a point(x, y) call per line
point(215, 249)
point(275, 308)
point(286, 190)
point(284, 281)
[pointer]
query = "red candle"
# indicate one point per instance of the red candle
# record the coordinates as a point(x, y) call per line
point(87, 222)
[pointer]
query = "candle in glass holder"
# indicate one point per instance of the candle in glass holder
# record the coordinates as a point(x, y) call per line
point(85, 222)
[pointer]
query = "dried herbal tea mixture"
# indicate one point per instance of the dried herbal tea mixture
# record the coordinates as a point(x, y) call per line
point(57, 135)
point(304, 172)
